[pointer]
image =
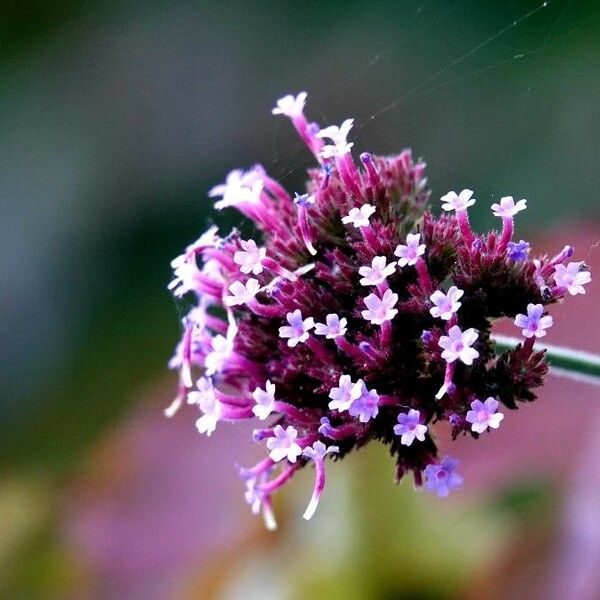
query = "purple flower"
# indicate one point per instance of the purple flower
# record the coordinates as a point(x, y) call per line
point(454, 201)
point(319, 450)
point(377, 272)
point(457, 345)
point(283, 444)
point(518, 250)
point(507, 207)
point(410, 427)
point(242, 293)
point(379, 309)
point(483, 415)
point(332, 328)
point(409, 253)
point(534, 324)
point(572, 277)
point(343, 396)
point(446, 305)
point(442, 478)
point(250, 257)
point(366, 406)
point(298, 328)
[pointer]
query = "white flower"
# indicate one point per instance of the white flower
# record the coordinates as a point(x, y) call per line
point(457, 345)
point(215, 360)
point(209, 406)
point(377, 272)
point(250, 257)
point(379, 309)
point(572, 277)
point(344, 395)
point(332, 328)
point(283, 444)
point(290, 106)
point(445, 304)
point(239, 188)
point(205, 390)
point(185, 275)
point(359, 217)
point(297, 330)
point(242, 293)
point(454, 201)
point(507, 207)
point(319, 450)
point(410, 253)
point(338, 136)
point(533, 323)
point(265, 400)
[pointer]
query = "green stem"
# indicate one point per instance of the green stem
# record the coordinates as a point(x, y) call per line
point(564, 362)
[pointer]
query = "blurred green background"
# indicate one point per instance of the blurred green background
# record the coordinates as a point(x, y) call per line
point(116, 119)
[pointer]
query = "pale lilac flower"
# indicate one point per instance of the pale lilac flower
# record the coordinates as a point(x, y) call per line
point(290, 106)
point(518, 250)
point(297, 330)
point(319, 450)
point(242, 293)
point(442, 478)
point(445, 305)
point(338, 136)
point(572, 277)
point(366, 406)
point(343, 396)
point(283, 444)
point(507, 207)
point(265, 401)
point(333, 327)
point(239, 188)
point(185, 275)
point(410, 427)
point(409, 253)
point(533, 323)
point(457, 345)
point(215, 360)
point(377, 272)
point(304, 200)
point(210, 408)
point(359, 217)
point(379, 309)
point(483, 415)
point(250, 258)
point(204, 390)
point(454, 201)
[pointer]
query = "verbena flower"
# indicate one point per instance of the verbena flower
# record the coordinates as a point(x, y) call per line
point(358, 315)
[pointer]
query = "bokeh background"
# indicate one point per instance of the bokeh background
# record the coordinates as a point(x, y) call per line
point(116, 119)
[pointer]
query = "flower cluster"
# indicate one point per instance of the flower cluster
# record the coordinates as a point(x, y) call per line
point(358, 315)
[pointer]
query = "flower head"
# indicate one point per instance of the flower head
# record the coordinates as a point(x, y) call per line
point(445, 305)
point(457, 345)
point(283, 444)
point(409, 253)
point(442, 478)
point(507, 207)
point(483, 415)
point(572, 277)
point(533, 323)
point(379, 309)
point(254, 303)
point(410, 427)
point(359, 217)
point(377, 272)
point(454, 201)
point(298, 328)
point(333, 327)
